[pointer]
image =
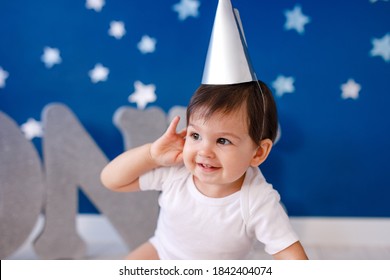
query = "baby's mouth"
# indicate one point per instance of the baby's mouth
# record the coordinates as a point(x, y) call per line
point(207, 167)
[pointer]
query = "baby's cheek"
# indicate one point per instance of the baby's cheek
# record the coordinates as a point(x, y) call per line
point(187, 158)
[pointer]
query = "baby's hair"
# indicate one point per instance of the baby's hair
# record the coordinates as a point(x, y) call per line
point(209, 99)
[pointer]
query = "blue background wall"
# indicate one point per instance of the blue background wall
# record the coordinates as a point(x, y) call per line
point(333, 156)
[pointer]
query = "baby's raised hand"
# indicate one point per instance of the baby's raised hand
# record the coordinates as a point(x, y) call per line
point(168, 149)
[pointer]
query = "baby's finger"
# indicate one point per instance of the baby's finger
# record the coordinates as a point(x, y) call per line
point(183, 133)
point(173, 125)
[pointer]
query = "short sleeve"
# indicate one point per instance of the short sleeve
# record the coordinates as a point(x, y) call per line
point(271, 223)
point(155, 179)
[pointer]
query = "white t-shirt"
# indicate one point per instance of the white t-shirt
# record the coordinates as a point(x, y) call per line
point(193, 226)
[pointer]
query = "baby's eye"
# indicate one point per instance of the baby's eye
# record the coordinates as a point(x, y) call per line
point(223, 141)
point(195, 136)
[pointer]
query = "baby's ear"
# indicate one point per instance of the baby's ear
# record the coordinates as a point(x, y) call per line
point(262, 152)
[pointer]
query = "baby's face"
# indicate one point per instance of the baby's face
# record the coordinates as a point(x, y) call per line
point(218, 151)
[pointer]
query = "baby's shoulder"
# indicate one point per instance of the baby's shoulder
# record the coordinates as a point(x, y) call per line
point(255, 181)
point(175, 175)
point(256, 190)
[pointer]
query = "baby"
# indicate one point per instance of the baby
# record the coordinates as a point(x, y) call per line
point(214, 200)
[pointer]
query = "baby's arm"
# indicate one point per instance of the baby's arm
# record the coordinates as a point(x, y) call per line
point(122, 173)
point(293, 252)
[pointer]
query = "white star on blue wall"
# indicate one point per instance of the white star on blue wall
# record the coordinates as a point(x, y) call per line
point(117, 29)
point(143, 94)
point(32, 129)
point(187, 8)
point(295, 19)
point(374, 1)
point(381, 47)
point(283, 85)
point(51, 56)
point(99, 73)
point(350, 89)
point(147, 44)
point(96, 5)
point(3, 76)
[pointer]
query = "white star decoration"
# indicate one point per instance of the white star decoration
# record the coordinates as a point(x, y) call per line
point(50, 57)
point(143, 94)
point(187, 8)
point(3, 76)
point(96, 5)
point(99, 73)
point(32, 129)
point(350, 89)
point(381, 47)
point(283, 85)
point(147, 44)
point(117, 29)
point(296, 20)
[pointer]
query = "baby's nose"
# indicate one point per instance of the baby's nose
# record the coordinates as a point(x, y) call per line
point(206, 150)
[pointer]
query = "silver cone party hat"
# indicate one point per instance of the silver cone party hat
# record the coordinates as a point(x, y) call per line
point(227, 59)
